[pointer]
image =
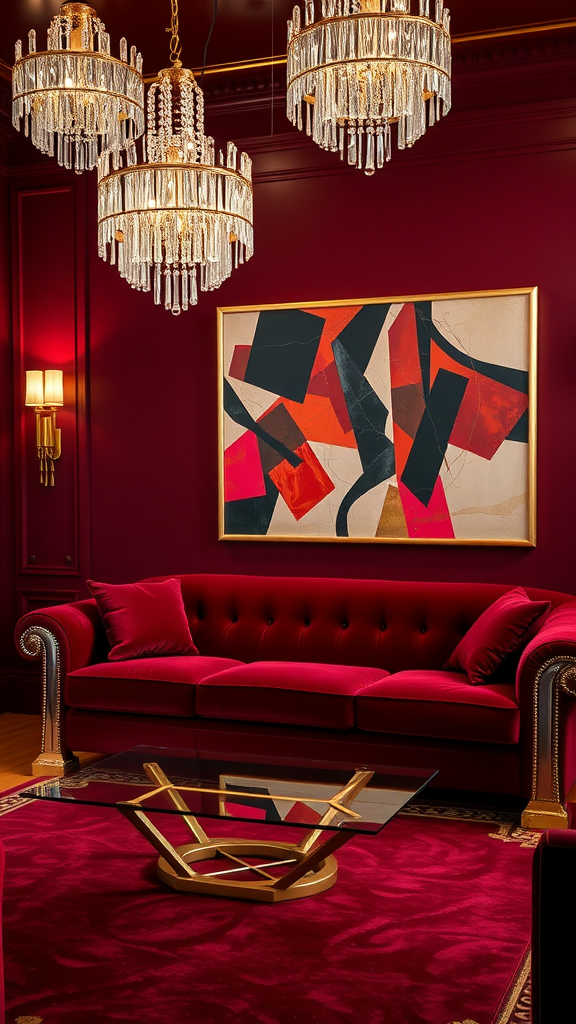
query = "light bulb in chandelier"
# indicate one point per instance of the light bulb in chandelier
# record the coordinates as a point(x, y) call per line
point(74, 98)
point(364, 67)
point(180, 219)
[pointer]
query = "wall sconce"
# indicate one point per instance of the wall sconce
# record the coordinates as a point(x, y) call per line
point(45, 391)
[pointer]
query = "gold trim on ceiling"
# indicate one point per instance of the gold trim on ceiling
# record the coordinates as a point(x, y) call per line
point(499, 33)
point(267, 62)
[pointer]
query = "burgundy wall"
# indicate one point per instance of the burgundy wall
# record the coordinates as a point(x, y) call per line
point(154, 498)
point(485, 201)
point(7, 592)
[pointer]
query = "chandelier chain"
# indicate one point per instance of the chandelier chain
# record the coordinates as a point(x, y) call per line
point(180, 221)
point(175, 44)
point(208, 38)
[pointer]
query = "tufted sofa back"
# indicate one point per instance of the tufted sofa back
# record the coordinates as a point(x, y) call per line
point(381, 623)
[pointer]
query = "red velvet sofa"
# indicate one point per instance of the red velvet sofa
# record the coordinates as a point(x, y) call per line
point(322, 669)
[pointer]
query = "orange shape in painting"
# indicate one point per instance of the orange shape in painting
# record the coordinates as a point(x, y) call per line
point(336, 318)
point(327, 384)
point(441, 360)
point(402, 445)
point(303, 486)
point(318, 421)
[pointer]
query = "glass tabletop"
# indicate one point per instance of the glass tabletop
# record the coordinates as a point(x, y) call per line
point(168, 781)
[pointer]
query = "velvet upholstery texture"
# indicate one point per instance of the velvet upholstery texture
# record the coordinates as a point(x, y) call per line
point(497, 633)
point(489, 767)
point(441, 705)
point(553, 916)
point(145, 686)
point(386, 624)
point(271, 691)
point(115, 731)
point(390, 624)
point(143, 619)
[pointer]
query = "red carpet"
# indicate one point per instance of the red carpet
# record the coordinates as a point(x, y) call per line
point(427, 924)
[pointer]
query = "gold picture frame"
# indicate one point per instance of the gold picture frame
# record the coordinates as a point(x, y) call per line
point(318, 401)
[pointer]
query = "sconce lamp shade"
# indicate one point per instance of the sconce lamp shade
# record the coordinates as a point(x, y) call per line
point(44, 387)
point(34, 387)
point(45, 391)
point(53, 387)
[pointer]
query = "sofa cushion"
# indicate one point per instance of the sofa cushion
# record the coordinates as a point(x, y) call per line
point(497, 633)
point(143, 619)
point(146, 686)
point(439, 705)
point(286, 692)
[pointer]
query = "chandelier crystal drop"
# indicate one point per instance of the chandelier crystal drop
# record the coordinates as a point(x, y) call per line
point(180, 219)
point(77, 100)
point(364, 66)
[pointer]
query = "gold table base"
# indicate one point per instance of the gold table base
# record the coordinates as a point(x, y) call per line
point(312, 868)
point(265, 890)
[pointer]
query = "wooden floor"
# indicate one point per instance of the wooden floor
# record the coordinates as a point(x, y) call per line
point(20, 742)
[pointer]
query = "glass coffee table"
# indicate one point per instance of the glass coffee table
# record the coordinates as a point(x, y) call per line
point(330, 805)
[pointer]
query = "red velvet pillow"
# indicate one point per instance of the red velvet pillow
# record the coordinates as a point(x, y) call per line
point(498, 632)
point(143, 619)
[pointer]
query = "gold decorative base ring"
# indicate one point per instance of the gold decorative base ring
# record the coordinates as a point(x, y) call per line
point(321, 876)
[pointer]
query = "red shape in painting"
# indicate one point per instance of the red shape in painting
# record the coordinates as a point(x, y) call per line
point(243, 476)
point(488, 411)
point(327, 384)
point(403, 348)
point(304, 486)
point(239, 361)
point(432, 521)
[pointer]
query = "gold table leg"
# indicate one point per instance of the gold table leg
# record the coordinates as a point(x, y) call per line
point(312, 868)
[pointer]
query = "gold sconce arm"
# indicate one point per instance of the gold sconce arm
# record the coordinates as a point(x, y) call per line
point(44, 391)
point(48, 442)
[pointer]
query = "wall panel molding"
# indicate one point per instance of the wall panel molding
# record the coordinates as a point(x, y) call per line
point(519, 130)
point(31, 599)
point(49, 330)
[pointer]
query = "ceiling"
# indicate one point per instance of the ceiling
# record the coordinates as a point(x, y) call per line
point(244, 29)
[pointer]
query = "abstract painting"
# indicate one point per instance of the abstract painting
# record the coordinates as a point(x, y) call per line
point(398, 420)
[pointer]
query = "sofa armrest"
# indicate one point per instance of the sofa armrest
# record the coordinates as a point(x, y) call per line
point(546, 677)
point(65, 637)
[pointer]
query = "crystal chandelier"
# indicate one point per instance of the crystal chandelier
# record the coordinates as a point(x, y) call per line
point(178, 215)
point(365, 65)
point(75, 98)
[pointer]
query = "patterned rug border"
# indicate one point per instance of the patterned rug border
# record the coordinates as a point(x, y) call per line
point(493, 817)
point(516, 1005)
